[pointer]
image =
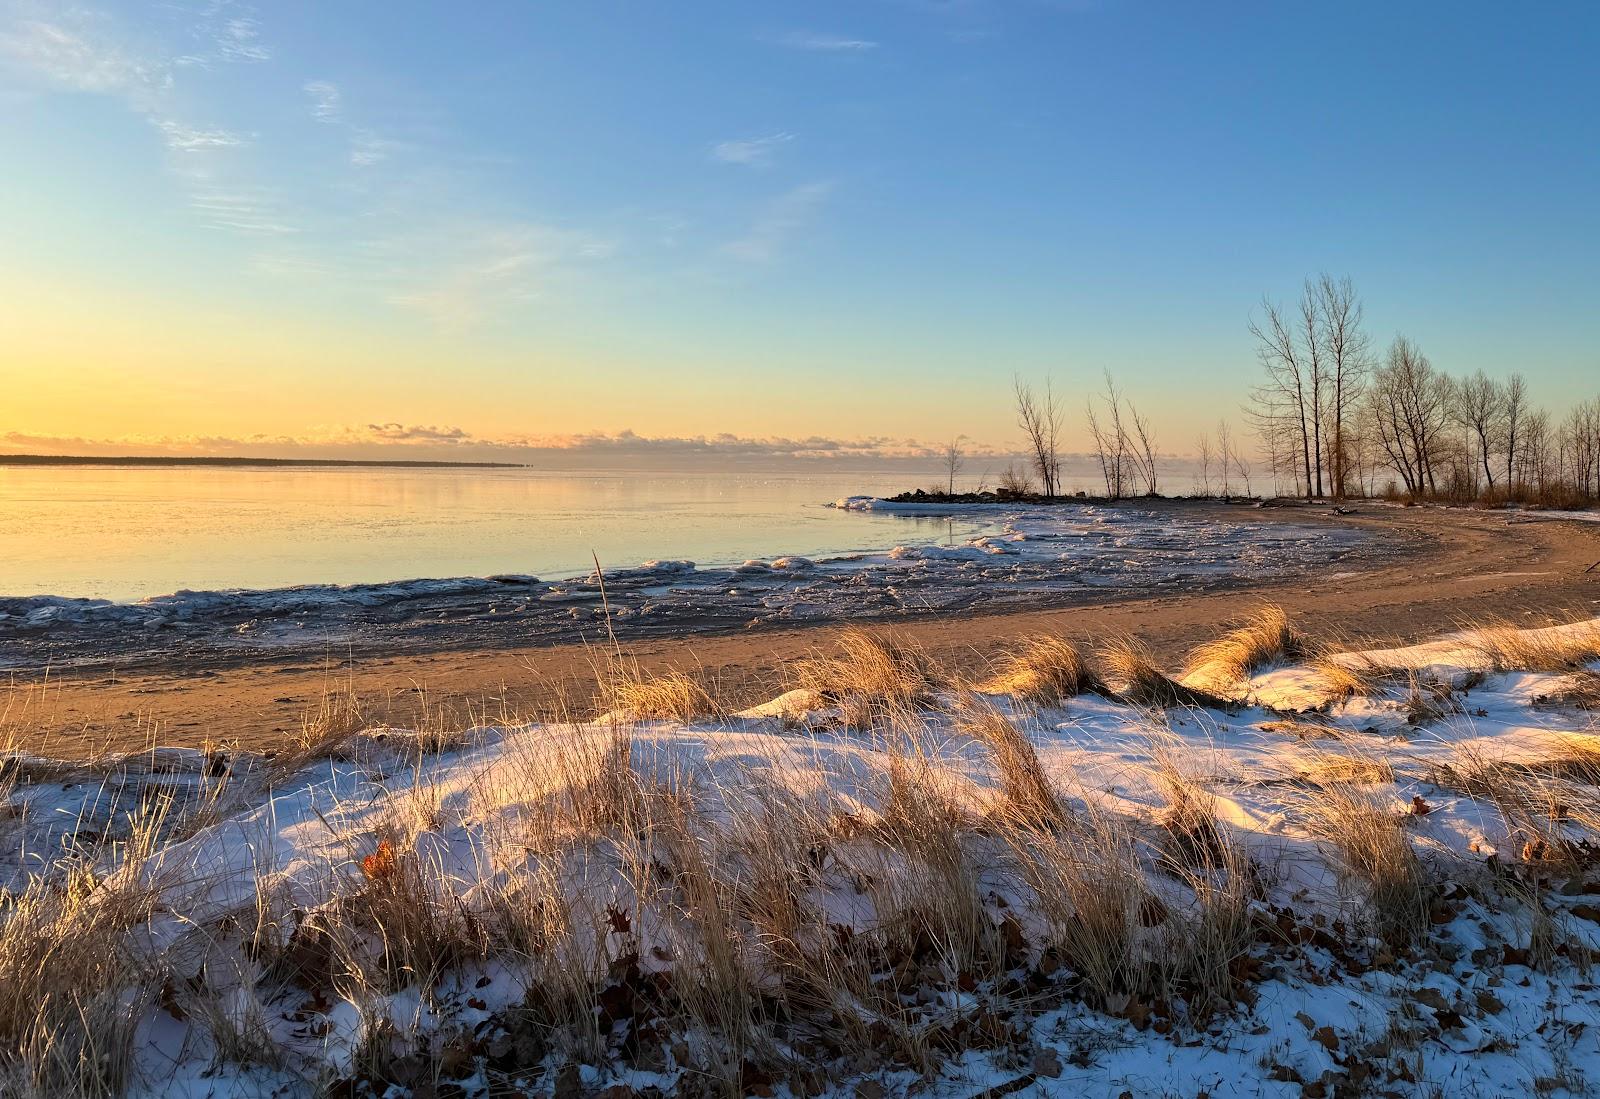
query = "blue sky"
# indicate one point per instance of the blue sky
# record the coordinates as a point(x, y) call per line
point(298, 224)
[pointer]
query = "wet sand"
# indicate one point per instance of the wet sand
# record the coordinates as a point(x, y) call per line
point(1449, 568)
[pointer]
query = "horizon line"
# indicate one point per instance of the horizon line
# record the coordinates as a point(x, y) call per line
point(231, 460)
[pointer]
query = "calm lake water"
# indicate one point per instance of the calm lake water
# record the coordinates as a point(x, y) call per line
point(130, 532)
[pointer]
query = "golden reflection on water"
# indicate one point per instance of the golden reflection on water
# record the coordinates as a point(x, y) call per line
point(130, 532)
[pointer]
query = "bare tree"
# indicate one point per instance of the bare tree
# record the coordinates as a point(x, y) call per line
point(953, 457)
point(1241, 466)
point(1514, 406)
point(1410, 406)
point(1122, 453)
point(1225, 454)
point(1533, 453)
point(1205, 465)
point(1480, 408)
point(1580, 438)
point(1348, 361)
point(1283, 401)
point(1014, 481)
point(1316, 371)
point(1316, 365)
point(1145, 454)
point(1040, 420)
point(1105, 452)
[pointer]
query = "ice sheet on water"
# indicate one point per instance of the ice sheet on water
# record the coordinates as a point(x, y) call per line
point(990, 556)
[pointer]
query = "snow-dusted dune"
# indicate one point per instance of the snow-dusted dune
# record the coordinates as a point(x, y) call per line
point(1494, 999)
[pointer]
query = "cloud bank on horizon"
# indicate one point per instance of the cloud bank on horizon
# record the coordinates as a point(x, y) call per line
point(401, 442)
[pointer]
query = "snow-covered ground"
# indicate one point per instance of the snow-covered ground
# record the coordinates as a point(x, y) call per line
point(550, 851)
point(989, 556)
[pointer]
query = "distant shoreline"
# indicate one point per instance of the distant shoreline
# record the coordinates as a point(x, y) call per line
point(82, 460)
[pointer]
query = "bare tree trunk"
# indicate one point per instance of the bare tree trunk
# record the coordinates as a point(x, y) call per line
point(1147, 449)
point(1283, 397)
point(1311, 335)
point(1515, 411)
point(1225, 446)
point(952, 463)
point(1040, 420)
point(1347, 352)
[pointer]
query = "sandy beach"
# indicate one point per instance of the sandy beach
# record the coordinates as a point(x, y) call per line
point(1432, 567)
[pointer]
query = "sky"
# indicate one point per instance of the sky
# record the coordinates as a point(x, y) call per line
point(479, 230)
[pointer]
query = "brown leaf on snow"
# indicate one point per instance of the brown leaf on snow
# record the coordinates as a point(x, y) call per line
point(1419, 808)
point(1046, 1063)
point(1431, 998)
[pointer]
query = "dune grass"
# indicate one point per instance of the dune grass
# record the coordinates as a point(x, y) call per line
point(72, 980)
point(1505, 647)
point(765, 922)
point(873, 676)
point(1131, 671)
point(1265, 637)
point(1370, 840)
point(1043, 670)
point(669, 696)
point(1024, 785)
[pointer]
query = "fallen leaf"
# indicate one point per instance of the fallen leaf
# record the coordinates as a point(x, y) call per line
point(1046, 1063)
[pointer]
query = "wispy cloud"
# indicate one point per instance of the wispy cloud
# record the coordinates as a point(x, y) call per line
point(238, 39)
point(229, 34)
point(414, 433)
point(79, 58)
point(754, 152)
point(824, 43)
point(325, 100)
point(469, 272)
point(394, 238)
point(87, 52)
point(367, 147)
point(184, 138)
point(779, 222)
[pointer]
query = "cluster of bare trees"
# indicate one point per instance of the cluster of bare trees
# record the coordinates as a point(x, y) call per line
point(1223, 466)
point(1316, 362)
point(1478, 438)
point(1124, 445)
point(1334, 419)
